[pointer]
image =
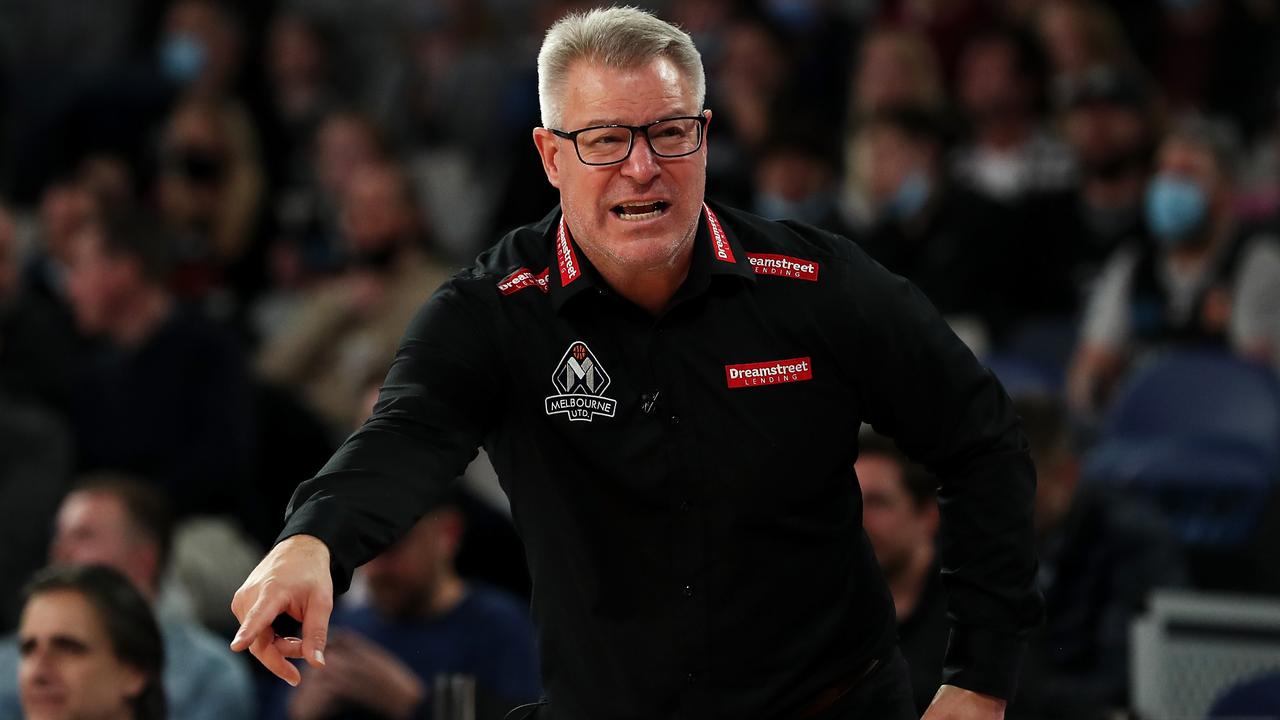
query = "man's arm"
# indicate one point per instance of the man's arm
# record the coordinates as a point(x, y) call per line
point(430, 418)
point(921, 386)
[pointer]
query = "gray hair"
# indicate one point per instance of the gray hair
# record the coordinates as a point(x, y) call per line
point(618, 37)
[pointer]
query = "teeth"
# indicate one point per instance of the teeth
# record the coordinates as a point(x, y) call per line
point(640, 216)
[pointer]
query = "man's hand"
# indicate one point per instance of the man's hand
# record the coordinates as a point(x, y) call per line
point(953, 703)
point(293, 578)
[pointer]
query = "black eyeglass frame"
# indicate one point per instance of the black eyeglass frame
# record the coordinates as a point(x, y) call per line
point(572, 135)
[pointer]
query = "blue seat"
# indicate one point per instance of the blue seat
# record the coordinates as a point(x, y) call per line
point(1258, 697)
point(1198, 435)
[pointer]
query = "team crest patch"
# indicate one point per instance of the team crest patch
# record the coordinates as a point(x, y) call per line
point(581, 380)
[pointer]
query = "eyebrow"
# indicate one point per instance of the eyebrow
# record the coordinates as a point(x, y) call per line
point(615, 121)
point(62, 642)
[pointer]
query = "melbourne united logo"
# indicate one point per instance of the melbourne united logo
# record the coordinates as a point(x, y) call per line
point(581, 381)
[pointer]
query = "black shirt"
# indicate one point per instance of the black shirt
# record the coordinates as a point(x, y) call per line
point(684, 484)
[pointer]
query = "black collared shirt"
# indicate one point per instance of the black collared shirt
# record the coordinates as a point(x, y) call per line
point(684, 484)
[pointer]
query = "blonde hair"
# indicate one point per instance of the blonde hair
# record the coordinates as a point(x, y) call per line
point(617, 37)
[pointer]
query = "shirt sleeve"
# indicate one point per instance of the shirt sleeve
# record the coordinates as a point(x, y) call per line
point(1255, 316)
point(919, 385)
point(1106, 314)
point(429, 419)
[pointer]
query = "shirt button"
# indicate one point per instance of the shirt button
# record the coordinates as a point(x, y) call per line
point(675, 419)
point(691, 678)
point(685, 506)
point(688, 591)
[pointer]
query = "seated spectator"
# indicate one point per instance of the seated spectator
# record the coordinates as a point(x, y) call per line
point(421, 620)
point(1101, 555)
point(795, 177)
point(900, 515)
point(352, 324)
point(90, 648)
point(165, 394)
point(37, 342)
point(1110, 121)
point(35, 465)
point(1203, 281)
point(1001, 91)
point(949, 241)
point(123, 524)
point(66, 208)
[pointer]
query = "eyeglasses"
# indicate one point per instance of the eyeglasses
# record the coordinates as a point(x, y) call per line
point(609, 144)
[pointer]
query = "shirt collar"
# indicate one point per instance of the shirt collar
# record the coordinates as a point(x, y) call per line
point(716, 251)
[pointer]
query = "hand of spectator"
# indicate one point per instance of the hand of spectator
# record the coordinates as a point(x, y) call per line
point(954, 703)
point(365, 674)
point(293, 578)
point(317, 698)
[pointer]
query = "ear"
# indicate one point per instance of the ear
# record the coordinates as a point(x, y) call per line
point(706, 135)
point(549, 151)
point(133, 681)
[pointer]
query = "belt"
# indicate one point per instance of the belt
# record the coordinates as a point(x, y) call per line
point(828, 697)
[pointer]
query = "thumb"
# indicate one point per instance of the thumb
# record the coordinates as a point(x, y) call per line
point(315, 627)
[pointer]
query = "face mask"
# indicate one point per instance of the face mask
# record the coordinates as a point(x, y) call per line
point(1176, 210)
point(182, 57)
point(812, 209)
point(910, 197)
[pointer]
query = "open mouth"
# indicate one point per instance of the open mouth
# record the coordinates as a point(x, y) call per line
point(636, 211)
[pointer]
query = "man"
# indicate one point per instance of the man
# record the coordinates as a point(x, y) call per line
point(90, 648)
point(900, 515)
point(123, 523)
point(165, 393)
point(949, 241)
point(1203, 282)
point(1103, 554)
point(351, 325)
point(671, 393)
point(422, 621)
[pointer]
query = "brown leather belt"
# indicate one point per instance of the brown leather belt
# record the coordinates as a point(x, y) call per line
point(828, 697)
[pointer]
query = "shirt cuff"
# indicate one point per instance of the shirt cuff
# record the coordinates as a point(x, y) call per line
point(984, 661)
point(328, 527)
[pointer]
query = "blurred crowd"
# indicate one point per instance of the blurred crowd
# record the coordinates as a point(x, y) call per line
point(217, 216)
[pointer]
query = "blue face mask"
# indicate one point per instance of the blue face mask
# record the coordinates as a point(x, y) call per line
point(910, 197)
point(182, 57)
point(1176, 210)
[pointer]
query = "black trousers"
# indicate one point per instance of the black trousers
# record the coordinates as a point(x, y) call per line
point(884, 695)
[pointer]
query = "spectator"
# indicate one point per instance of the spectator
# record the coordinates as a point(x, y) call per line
point(1001, 91)
point(90, 648)
point(124, 524)
point(421, 621)
point(36, 340)
point(1111, 123)
point(1080, 37)
point(301, 76)
point(345, 327)
point(1203, 282)
point(948, 240)
point(796, 177)
point(66, 208)
point(35, 463)
point(900, 514)
point(896, 68)
point(164, 394)
point(1100, 557)
point(201, 48)
point(308, 238)
point(209, 190)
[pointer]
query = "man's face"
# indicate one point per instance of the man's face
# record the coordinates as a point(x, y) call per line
point(1190, 161)
point(93, 529)
point(97, 283)
point(892, 156)
point(404, 578)
point(68, 669)
point(1100, 132)
point(591, 196)
point(894, 523)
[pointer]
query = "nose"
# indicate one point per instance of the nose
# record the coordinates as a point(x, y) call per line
point(641, 166)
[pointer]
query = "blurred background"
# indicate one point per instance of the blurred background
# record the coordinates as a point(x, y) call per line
point(216, 218)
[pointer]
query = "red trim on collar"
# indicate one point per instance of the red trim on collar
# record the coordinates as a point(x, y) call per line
point(719, 241)
point(570, 268)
